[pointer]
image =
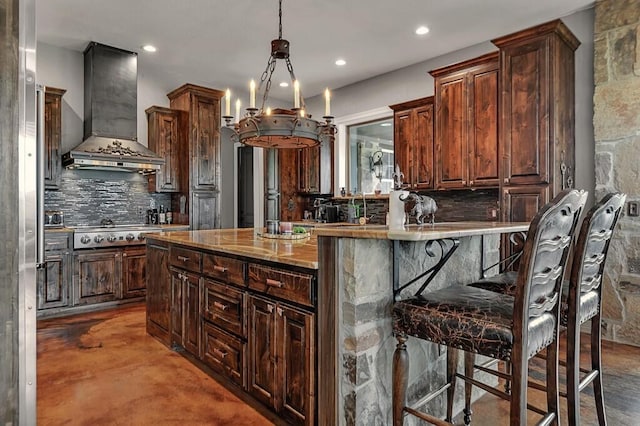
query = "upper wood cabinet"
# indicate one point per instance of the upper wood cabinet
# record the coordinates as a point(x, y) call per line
point(200, 155)
point(413, 141)
point(537, 106)
point(52, 136)
point(166, 141)
point(315, 165)
point(466, 124)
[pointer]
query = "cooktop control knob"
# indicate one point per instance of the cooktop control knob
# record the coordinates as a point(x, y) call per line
point(85, 239)
point(141, 237)
point(112, 238)
point(130, 237)
point(98, 238)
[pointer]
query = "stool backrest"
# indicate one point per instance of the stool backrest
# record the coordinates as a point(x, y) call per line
point(543, 263)
point(592, 246)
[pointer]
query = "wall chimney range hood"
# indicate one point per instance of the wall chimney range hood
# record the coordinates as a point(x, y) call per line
point(110, 109)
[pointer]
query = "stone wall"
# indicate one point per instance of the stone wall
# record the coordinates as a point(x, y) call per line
point(616, 125)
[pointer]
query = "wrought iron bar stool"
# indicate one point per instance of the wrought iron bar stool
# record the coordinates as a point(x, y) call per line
point(496, 325)
point(581, 302)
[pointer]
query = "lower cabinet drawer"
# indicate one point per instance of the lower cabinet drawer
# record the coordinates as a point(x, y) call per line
point(223, 305)
point(224, 353)
point(185, 259)
point(291, 286)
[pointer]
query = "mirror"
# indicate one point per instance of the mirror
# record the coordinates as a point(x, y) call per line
point(370, 164)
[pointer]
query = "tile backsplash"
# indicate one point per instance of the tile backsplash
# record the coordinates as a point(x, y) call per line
point(88, 196)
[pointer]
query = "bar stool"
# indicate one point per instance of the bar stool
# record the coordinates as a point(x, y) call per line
point(496, 325)
point(581, 301)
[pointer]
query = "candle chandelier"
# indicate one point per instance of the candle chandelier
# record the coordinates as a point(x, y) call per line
point(278, 127)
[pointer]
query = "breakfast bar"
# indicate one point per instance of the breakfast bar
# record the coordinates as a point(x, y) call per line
point(304, 326)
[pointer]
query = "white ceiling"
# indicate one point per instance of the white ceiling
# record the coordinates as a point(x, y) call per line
point(225, 43)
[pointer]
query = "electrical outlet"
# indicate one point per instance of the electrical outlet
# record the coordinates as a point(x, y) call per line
point(492, 213)
point(632, 208)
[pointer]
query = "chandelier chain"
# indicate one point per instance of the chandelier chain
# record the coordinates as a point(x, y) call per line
point(266, 75)
point(280, 21)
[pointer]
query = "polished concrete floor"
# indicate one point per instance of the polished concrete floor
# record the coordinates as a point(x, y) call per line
point(103, 369)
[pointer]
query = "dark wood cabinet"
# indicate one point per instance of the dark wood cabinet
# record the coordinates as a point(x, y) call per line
point(413, 141)
point(315, 165)
point(281, 369)
point(134, 270)
point(537, 127)
point(186, 323)
point(466, 124)
point(200, 155)
point(52, 136)
point(165, 139)
point(55, 277)
point(252, 323)
point(97, 276)
point(262, 350)
point(158, 292)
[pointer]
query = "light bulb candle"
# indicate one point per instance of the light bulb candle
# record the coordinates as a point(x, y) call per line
point(227, 103)
point(268, 110)
point(327, 103)
point(252, 94)
point(296, 94)
point(301, 112)
point(237, 110)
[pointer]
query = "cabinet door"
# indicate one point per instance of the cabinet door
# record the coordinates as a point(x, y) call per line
point(52, 136)
point(520, 204)
point(483, 127)
point(451, 149)
point(403, 151)
point(53, 281)
point(262, 350)
point(525, 112)
point(204, 210)
point(296, 349)
point(177, 325)
point(134, 270)
point(191, 309)
point(205, 143)
point(158, 292)
point(164, 140)
point(97, 276)
point(424, 147)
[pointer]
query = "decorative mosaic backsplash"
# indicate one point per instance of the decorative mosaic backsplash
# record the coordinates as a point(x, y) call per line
point(87, 196)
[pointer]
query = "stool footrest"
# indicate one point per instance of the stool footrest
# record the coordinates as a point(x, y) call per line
point(587, 380)
point(429, 396)
point(428, 418)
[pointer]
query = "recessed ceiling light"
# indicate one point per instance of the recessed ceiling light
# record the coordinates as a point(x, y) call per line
point(341, 62)
point(385, 124)
point(284, 84)
point(149, 48)
point(422, 30)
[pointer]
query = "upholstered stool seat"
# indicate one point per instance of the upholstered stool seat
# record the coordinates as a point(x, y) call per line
point(485, 318)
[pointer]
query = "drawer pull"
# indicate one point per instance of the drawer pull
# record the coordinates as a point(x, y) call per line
point(219, 268)
point(221, 306)
point(183, 258)
point(219, 353)
point(274, 283)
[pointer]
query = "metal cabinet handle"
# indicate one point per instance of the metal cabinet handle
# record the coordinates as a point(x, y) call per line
point(183, 258)
point(470, 182)
point(220, 306)
point(274, 283)
point(221, 354)
point(219, 268)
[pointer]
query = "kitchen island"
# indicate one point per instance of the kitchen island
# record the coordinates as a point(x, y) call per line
point(305, 326)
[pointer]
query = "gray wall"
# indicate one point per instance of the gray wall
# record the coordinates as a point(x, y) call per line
point(414, 82)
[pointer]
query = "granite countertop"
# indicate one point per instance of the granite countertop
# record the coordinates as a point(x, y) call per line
point(246, 242)
point(423, 232)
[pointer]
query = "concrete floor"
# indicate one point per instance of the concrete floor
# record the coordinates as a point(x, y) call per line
point(103, 369)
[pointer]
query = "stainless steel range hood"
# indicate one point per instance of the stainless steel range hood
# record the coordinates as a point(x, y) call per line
point(110, 109)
